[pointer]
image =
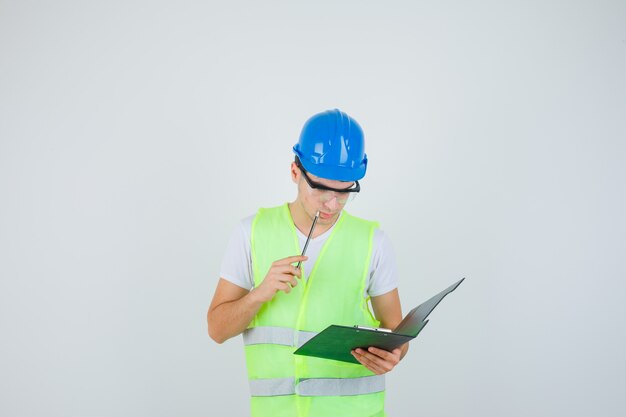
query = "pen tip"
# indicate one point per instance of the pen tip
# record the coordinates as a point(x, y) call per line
point(317, 214)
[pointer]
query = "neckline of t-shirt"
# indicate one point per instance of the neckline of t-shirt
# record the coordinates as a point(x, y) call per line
point(323, 235)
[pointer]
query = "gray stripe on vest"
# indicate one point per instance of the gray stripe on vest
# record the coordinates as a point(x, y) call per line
point(275, 335)
point(341, 386)
point(272, 387)
point(267, 334)
point(304, 337)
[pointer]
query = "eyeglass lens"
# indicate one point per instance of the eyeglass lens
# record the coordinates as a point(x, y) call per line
point(325, 196)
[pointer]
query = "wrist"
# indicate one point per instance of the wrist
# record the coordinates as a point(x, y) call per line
point(255, 298)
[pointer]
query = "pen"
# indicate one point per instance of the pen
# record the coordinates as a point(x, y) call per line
point(306, 244)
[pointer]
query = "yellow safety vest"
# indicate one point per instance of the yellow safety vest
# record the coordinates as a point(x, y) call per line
point(284, 384)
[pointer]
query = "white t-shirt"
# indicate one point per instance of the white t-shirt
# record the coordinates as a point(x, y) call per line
point(237, 263)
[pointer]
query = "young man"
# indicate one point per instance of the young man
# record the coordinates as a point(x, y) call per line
point(278, 306)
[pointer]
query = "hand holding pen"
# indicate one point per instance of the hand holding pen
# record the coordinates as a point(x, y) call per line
point(282, 274)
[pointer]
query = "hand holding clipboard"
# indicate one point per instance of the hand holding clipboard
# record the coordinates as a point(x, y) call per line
point(335, 342)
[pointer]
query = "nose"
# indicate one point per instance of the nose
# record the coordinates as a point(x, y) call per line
point(332, 203)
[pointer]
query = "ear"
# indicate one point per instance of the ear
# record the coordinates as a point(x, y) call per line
point(295, 173)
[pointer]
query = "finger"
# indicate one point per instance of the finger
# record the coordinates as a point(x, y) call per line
point(383, 353)
point(360, 358)
point(373, 363)
point(385, 365)
point(367, 355)
point(289, 280)
point(296, 272)
point(286, 272)
point(291, 260)
point(285, 288)
point(369, 364)
point(288, 269)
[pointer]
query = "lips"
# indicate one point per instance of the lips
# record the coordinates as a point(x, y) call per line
point(325, 216)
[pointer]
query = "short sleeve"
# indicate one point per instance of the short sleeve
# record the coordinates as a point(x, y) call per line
point(237, 264)
point(384, 272)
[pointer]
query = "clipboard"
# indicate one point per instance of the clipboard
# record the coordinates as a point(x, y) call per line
point(335, 342)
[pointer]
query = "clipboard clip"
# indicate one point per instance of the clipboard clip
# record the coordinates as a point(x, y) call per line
point(376, 329)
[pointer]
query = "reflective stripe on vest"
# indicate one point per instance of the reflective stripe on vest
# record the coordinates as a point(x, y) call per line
point(310, 387)
point(275, 336)
point(272, 387)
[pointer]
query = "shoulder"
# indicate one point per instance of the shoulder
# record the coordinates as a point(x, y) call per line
point(381, 239)
point(271, 217)
point(246, 223)
point(381, 246)
point(240, 236)
point(355, 219)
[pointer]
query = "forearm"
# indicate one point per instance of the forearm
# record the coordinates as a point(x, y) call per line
point(231, 318)
point(404, 348)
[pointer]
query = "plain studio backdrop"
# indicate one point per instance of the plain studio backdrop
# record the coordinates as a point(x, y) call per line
point(135, 135)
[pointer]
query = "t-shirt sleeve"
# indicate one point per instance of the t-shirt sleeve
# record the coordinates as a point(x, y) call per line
point(384, 272)
point(237, 264)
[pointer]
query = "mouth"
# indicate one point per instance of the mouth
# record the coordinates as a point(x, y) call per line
point(325, 216)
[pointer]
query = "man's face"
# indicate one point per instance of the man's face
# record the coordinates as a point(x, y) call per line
point(329, 203)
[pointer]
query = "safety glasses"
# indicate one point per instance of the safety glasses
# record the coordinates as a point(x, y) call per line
point(325, 193)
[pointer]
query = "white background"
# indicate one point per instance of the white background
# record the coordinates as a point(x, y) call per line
point(134, 135)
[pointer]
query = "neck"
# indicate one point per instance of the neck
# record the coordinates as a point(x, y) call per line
point(304, 220)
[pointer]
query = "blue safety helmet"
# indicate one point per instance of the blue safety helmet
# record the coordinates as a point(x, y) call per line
point(331, 146)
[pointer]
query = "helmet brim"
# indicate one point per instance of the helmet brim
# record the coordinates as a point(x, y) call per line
point(333, 172)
